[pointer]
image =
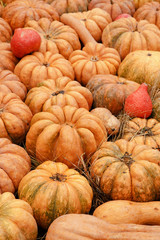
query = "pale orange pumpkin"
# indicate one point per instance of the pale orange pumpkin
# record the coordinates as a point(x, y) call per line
point(5, 31)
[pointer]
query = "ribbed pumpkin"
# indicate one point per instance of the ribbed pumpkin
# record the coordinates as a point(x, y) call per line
point(114, 7)
point(52, 190)
point(1, 10)
point(64, 134)
point(142, 67)
point(62, 91)
point(127, 35)
point(55, 36)
point(7, 58)
point(149, 12)
point(139, 3)
point(17, 221)
point(110, 91)
point(15, 117)
point(17, 13)
point(5, 31)
point(35, 68)
point(127, 171)
point(10, 83)
point(156, 106)
point(94, 20)
point(15, 163)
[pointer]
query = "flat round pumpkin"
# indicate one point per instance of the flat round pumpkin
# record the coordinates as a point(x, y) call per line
point(5, 31)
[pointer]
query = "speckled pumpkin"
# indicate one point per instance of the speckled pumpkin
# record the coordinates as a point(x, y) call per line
point(62, 91)
point(127, 35)
point(64, 134)
point(127, 171)
point(66, 191)
point(5, 31)
point(17, 221)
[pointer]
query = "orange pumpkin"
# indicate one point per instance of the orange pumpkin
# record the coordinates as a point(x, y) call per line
point(156, 106)
point(140, 3)
point(56, 190)
point(5, 31)
point(64, 134)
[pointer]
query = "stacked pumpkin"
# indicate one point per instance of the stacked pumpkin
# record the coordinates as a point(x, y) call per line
point(78, 80)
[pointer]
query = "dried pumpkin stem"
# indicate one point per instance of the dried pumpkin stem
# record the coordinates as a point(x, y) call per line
point(59, 177)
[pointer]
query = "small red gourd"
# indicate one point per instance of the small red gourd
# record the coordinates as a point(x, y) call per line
point(139, 103)
point(123, 15)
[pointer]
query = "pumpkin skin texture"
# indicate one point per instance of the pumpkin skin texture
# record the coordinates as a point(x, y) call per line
point(5, 31)
point(142, 67)
point(114, 7)
point(15, 163)
point(17, 221)
point(10, 83)
point(55, 36)
point(127, 35)
point(52, 133)
point(66, 191)
point(139, 3)
point(62, 91)
point(8, 60)
point(110, 91)
point(15, 117)
point(35, 68)
point(143, 131)
point(149, 12)
point(94, 59)
point(127, 171)
point(19, 12)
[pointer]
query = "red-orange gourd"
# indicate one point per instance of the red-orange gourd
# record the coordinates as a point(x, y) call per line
point(139, 103)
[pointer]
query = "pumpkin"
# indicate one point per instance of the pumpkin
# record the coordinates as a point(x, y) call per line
point(35, 68)
point(18, 12)
point(1, 10)
point(88, 227)
point(150, 12)
point(129, 212)
point(66, 191)
point(110, 91)
point(142, 67)
point(55, 36)
point(139, 3)
point(8, 60)
point(156, 106)
point(114, 7)
point(62, 91)
point(64, 134)
point(15, 163)
point(15, 117)
point(5, 31)
point(127, 35)
point(127, 171)
point(10, 83)
point(94, 20)
point(17, 221)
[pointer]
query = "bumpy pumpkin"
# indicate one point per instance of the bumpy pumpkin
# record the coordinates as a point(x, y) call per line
point(15, 117)
point(127, 35)
point(5, 31)
point(149, 12)
point(17, 221)
point(62, 91)
point(66, 191)
point(18, 12)
point(127, 171)
point(15, 163)
point(110, 91)
point(142, 67)
point(7, 58)
point(156, 106)
point(64, 134)
point(10, 83)
point(139, 3)
point(55, 36)
point(114, 7)
point(35, 68)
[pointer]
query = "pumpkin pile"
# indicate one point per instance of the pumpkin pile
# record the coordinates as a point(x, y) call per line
point(79, 119)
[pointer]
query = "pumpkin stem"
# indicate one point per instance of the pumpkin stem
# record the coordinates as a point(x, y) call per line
point(127, 159)
point(57, 92)
point(59, 177)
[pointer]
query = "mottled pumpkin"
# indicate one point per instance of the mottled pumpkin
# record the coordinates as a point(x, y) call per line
point(17, 221)
point(127, 171)
point(5, 31)
point(127, 35)
point(35, 68)
point(156, 106)
point(15, 163)
point(62, 91)
point(110, 91)
point(10, 83)
point(142, 67)
point(114, 7)
point(64, 134)
point(15, 117)
point(139, 3)
point(18, 12)
point(52, 190)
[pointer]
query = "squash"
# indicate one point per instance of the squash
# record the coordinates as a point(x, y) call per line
point(127, 171)
point(140, 3)
point(52, 190)
point(5, 31)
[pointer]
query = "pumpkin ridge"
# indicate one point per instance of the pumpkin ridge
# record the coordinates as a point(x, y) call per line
point(8, 177)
